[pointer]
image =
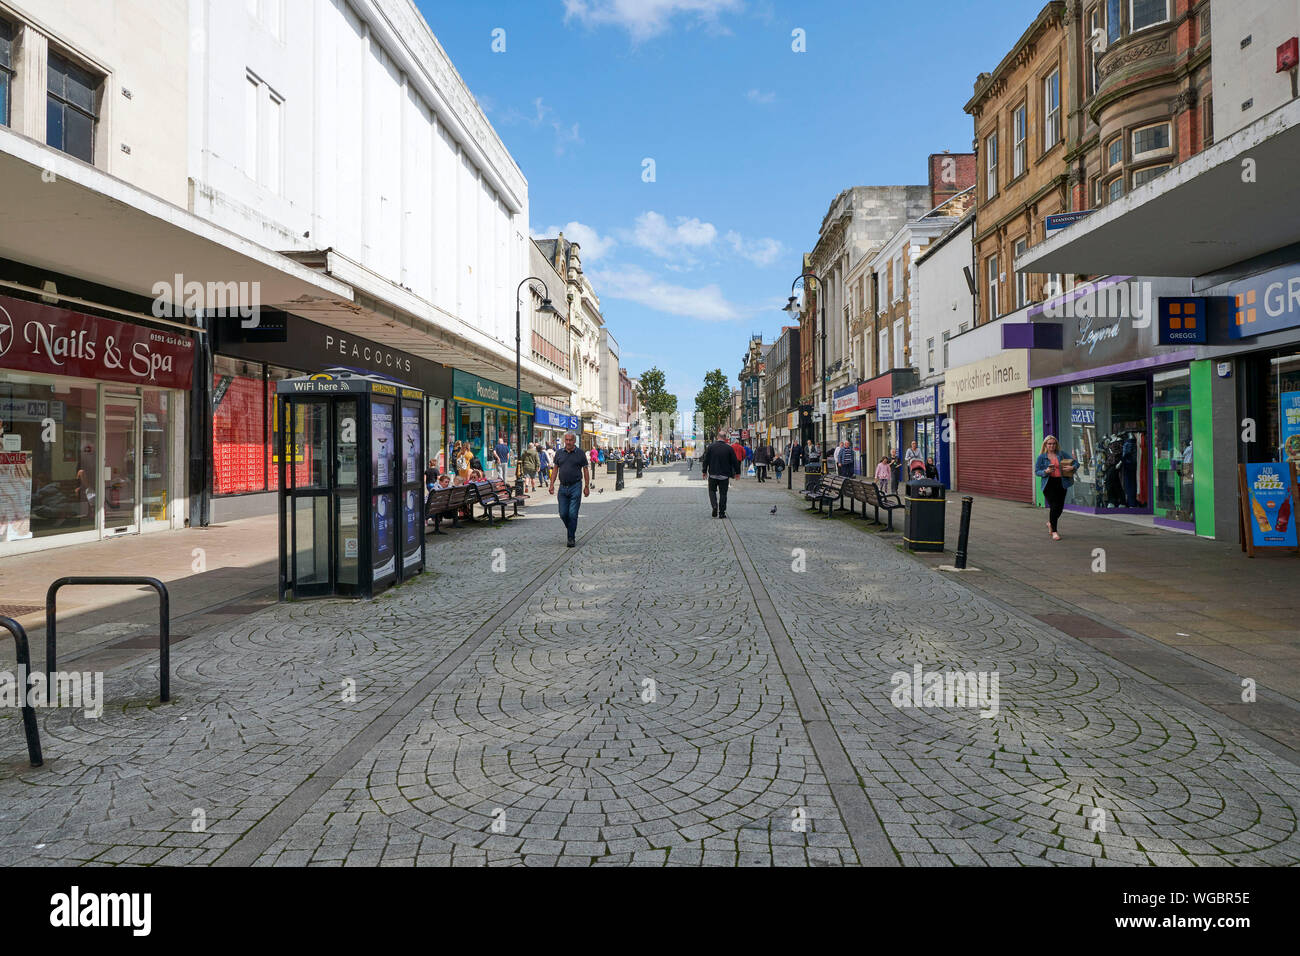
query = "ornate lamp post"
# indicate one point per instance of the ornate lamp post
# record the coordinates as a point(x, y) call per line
point(793, 309)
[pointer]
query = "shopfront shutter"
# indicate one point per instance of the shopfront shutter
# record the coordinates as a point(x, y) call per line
point(995, 447)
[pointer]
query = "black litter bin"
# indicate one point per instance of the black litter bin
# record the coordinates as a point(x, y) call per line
point(923, 529)
point(812, 475)
point(610, 465)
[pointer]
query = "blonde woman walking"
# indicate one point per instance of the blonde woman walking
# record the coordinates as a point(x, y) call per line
point(1057, 477)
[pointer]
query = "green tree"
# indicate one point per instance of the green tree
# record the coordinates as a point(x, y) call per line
point(657, 403)
point(713, 403)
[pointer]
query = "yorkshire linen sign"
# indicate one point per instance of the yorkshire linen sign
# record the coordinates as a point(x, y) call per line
point(40, 338)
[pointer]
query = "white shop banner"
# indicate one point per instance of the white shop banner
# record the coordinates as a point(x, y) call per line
point(919, 404)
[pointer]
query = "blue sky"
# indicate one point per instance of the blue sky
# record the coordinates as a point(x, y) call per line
point(750, 140)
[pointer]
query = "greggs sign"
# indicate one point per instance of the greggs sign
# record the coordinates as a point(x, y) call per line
point(41, 338)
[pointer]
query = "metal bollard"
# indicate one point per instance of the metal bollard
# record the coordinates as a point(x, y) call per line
point(639, 468)
point(618, 475)
point(964, 534)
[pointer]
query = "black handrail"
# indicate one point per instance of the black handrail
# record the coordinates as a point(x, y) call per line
point(24, 654)
point(164, 622)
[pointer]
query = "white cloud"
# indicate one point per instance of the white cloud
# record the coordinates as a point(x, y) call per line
point(644, 19)
point(654, 234)
point(637, 285)
point(757, 96)
point(761, 252)
point(593, 244)
point(566, 134)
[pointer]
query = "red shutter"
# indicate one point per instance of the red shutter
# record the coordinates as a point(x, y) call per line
point(995, 447)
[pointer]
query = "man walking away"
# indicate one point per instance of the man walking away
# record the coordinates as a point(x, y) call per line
point(573, 471)
point(844, 459)
point(501, 453)
point(762, 458)
point(796, 456)
point(720, 464)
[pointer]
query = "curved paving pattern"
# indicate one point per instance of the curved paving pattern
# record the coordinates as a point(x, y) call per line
point(538, 744)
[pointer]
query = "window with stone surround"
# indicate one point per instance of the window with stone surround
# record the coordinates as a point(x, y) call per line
point(1020, 124)
point(1147, 13)
point(1051, 110)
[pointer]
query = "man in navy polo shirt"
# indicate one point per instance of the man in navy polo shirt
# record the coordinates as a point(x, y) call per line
point(572, 471)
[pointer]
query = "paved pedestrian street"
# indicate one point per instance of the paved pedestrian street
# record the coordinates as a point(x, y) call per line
point(677, 690)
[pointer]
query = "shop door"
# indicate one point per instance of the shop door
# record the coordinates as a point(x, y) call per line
point(1171, 450)
point(120, 466)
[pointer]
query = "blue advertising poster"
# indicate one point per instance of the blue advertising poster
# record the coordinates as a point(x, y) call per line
point(412, 520)
point(1288, 410)
point(412, 446)
point(382, 450)
point(1271, 505)
point(383, 558)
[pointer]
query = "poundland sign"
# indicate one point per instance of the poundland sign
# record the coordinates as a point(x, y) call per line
point(482, 391)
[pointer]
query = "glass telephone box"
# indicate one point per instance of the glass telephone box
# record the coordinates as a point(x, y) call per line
point(350, 454)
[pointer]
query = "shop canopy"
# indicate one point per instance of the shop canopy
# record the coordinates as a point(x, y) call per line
point(1235, 201)
point(59, 214)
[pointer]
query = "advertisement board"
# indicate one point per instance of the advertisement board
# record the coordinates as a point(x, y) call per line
point(15, 495)
point(1268, 507)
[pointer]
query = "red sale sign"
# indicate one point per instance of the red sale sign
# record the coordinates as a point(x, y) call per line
point(41, 338)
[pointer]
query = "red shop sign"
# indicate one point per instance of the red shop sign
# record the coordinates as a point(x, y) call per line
point(40, 338)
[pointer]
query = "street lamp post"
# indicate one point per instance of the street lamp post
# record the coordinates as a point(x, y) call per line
point(546, 308)
point(793, 310)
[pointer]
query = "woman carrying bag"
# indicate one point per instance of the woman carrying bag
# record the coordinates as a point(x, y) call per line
point(1057, 476)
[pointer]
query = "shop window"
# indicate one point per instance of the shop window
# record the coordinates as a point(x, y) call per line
point(239, 452)
point(1147, 13)
point(1143, 176)
point(1283, 411)
point(49, 463)
point(1171, 436)
point(156, 457)
point(1103, 427)
point(71, 111)
point(1149, 141)
point(299, 456)
point(6, 69)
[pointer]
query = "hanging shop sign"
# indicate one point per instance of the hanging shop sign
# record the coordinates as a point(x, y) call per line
point(549, 419)
point(919, 404)
point(41, 338)
point(1268, 507)
point(1182, 321)
point(1265, 303)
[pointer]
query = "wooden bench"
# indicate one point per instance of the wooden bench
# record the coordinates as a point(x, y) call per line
point(505, 495)
point(484, 495)
point(442, 502)
point(872, 495)
point(828, 491)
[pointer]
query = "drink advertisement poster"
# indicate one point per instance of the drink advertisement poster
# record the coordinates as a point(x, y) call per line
point(381, 444)
point(411, 446)
point(1270, 505)
point(15, 495)
point(1288, 409)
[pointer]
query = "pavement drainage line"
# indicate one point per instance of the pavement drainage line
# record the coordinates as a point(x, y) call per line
point(860, 820)
point(258, 838)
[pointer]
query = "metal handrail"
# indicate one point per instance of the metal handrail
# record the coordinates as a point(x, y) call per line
point(164, 623)
point(24, 654)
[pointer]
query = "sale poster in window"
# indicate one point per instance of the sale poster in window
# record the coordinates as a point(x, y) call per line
point(1289, 415)
point(15, 495)
point(411, 445)
point(381, 444)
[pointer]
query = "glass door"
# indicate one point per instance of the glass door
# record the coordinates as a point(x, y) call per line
point(120, 465)
point(1171, 447)
point(308, 478)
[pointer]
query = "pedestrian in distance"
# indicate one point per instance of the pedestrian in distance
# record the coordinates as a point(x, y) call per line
point(530, 463)
point(738, 450)
point(501, 456)
point(844, 460)
point(796, 456)
point(573, 470)
point(883, 472)
point(762, 458)
point(1057, 476)
point(719, 464)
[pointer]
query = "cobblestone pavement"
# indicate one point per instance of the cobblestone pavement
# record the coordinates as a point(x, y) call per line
point(669, 692)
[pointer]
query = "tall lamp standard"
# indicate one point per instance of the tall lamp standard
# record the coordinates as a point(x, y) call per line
point(791, 308)
point(546, 308)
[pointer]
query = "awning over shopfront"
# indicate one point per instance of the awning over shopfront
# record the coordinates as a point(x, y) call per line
point(60, 214)
point(1233, 202)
